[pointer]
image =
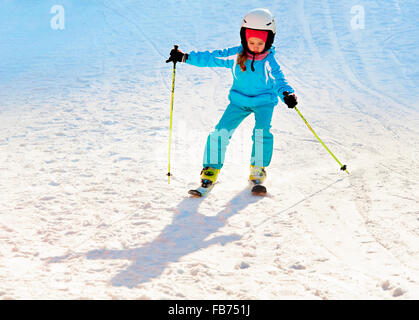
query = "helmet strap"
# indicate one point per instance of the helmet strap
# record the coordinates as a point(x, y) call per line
point(253, 60)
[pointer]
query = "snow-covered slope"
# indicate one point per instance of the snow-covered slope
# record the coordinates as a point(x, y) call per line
point(86, 210)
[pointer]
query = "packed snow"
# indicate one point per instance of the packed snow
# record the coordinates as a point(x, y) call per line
point(86, 210)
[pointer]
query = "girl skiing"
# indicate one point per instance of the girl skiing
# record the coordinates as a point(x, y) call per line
point(257, 83)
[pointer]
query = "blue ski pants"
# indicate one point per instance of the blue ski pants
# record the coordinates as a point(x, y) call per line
point(262, 138)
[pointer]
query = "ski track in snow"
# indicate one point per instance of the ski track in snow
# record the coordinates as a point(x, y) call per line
point(86, 210)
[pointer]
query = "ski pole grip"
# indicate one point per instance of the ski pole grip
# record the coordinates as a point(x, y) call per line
point(170, 59)
point(176, 50)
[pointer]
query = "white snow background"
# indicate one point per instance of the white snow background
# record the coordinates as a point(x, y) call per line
point(86, 211)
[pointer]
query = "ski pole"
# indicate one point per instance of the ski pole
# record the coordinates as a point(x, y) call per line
point(342, 167)
point(171, 112)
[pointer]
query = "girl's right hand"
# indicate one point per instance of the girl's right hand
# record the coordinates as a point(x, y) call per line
point(177, 55)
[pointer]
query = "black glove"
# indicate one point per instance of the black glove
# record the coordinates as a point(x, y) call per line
point(290, 99)
point(177, 55)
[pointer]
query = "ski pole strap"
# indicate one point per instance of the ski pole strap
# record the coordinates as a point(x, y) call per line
point(342, 167)
point(171, 119)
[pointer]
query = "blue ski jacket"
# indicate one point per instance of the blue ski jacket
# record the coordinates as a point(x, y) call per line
point(250, 88)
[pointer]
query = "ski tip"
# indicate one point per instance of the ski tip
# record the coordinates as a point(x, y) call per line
point(259, 190)
point(195, 193)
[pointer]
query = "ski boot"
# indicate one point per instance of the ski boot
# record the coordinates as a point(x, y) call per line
point(208, 179)
point(256, 179)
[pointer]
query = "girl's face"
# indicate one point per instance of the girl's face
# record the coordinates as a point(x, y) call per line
point(255, 44)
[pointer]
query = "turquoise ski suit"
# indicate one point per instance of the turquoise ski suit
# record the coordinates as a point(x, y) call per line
point(252, 92)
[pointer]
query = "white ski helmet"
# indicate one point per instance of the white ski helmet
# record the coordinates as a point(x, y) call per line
point(258, 19)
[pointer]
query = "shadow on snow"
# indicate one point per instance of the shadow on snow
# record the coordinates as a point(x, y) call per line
point(186, 234)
